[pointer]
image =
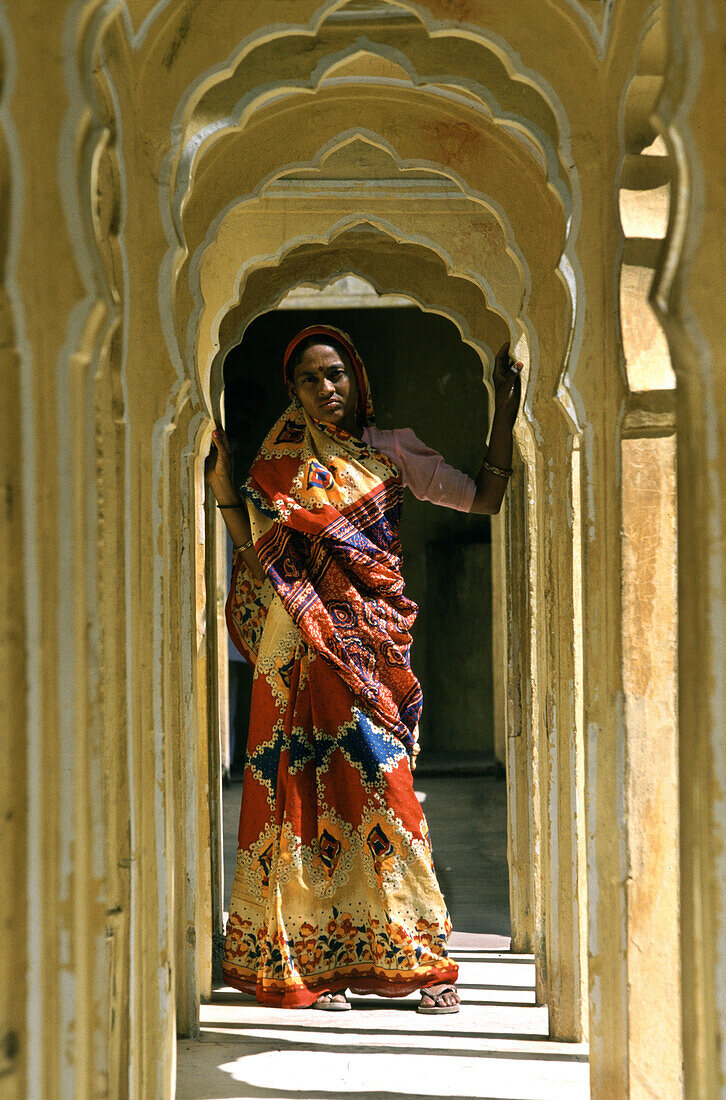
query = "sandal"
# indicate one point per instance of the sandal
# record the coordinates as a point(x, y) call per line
point(331, 1002)
point(437, 1006)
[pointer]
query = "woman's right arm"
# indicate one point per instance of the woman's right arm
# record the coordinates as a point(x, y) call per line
point(218, 475)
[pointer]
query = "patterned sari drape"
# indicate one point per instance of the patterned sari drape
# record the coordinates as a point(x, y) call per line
point(334, 885)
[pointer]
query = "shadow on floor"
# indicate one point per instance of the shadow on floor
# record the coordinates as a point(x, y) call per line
point(495, 1048)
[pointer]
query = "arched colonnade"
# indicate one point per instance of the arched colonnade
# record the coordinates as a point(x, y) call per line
point(210, 158)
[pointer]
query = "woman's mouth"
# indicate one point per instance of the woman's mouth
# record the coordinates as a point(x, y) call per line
point(331, 403)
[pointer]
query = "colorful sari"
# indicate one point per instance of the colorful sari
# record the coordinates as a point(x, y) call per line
point(335, 885)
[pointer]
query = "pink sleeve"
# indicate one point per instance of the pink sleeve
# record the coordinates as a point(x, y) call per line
point(428, 476)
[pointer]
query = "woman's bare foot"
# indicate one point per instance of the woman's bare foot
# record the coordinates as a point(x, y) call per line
point(439, 999)
point(331, 1002)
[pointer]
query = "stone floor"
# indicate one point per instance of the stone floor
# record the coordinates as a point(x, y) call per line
point(495, 1047)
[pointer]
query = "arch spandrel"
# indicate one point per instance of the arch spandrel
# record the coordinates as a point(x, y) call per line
point(142, 13)
point(638, 33)
point(367, 64)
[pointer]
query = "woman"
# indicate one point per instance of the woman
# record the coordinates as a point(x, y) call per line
point(335, 887)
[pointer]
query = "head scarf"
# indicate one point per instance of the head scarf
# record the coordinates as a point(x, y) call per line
point(364, 407)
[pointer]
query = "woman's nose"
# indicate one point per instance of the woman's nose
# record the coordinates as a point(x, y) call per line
point(325, 386)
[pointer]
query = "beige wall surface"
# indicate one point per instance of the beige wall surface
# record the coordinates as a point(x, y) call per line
point(549, 173)
point(687, 297)
point(649, 683)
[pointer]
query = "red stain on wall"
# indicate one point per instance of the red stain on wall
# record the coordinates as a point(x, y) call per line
point(485, 231)
point(454, 140)
point(464, 11)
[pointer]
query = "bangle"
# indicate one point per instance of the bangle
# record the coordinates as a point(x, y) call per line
point(237, 505)
point(245, 546)
point(498, 470)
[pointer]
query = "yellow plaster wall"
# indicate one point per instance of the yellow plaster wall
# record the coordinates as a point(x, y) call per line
point(651, 802)
point(13, 690)
point(687, 297)
point(161, 186)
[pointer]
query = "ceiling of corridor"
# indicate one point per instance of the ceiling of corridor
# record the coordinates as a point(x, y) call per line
point(287, 129)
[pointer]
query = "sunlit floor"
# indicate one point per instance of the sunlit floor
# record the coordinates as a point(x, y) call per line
point(496, 1046)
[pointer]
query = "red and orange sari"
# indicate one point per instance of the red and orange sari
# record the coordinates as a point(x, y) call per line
point(334, 886)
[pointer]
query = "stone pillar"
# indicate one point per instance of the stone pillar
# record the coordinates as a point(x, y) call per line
point(689, 298)
point(13, 711)
point(524, 849)
point(649, 557)
point(563, 757)
point(57, 976)
point(499, 636)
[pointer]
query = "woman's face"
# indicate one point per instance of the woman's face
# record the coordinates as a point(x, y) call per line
point(326, 386)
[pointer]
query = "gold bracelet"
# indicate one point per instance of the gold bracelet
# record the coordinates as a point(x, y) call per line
point(245, 546)
point(498, 470)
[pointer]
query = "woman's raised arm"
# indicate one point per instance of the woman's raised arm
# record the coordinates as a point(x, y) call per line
point(491, 481)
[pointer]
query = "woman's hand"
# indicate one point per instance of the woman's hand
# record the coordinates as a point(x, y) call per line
point(218, 476)
point(218, 468)
point(507, 384)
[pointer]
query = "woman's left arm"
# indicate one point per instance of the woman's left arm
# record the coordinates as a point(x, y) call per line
point(491, 481)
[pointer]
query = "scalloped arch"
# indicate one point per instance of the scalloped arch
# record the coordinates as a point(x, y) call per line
point(460, 301)
point(417, 272)
point(481, 161)
point(443, 59)
point(450, 127)
point(461, 242)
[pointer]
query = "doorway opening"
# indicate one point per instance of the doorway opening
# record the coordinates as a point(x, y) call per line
point(423, 376)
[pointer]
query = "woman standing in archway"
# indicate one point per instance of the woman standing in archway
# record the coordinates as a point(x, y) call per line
point(335, 887)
